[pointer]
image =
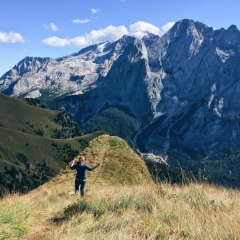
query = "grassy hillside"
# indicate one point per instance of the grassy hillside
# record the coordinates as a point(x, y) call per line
point(19, 116)
point(30, 152)
point(121, 167)
point(119, 211)
point(121, 201)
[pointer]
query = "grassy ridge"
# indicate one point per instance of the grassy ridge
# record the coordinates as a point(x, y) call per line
point(121, 164)
point(153, 211)
point(121, 201)
point(23, 216)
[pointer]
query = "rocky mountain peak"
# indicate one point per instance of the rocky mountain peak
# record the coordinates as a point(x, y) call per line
point(189, 27)
point(182, 87)
point(233, 28)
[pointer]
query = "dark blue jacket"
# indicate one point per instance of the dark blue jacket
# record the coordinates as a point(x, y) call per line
point(81, 168)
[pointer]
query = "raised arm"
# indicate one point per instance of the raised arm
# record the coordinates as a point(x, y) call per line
point(72, 163)
point(99, 164)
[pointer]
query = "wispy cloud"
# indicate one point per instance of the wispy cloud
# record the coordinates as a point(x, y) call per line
point(51, 27)
point(94, 10)
point(110, 33)
point(11, 37)
point(81, 21)
point(167, 26)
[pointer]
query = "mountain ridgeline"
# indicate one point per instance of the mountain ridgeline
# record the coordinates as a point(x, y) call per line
point(176, 96)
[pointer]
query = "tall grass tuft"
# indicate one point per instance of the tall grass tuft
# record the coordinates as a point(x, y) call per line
point(154, 212)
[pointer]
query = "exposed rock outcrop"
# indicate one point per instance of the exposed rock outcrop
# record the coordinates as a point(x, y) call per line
point(182, 87)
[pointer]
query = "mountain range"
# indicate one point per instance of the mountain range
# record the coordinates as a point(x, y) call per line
point(181, 89)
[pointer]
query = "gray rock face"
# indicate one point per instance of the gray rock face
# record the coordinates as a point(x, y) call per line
point(183, 87)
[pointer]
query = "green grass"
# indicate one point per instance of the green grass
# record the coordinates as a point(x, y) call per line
point(121, 164)
point(153, 211)
point(23, 215)
point(17, 115)
point(121, 202)
point(28, 154)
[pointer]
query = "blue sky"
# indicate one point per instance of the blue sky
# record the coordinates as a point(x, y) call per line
point(55, 28)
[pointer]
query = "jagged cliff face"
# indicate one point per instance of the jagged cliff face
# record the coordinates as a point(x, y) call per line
point(183, 87)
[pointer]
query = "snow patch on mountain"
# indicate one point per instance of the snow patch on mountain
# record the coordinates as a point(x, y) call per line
point(224, 54)
point(34, 94)
point(182, 87)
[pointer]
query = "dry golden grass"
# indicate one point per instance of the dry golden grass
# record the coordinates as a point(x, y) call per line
point(154, 211)
point(20, 214)
point(116, 210)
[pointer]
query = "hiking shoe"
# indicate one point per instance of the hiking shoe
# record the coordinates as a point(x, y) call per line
point(76, 192)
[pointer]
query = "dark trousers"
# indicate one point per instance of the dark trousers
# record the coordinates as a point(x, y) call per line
point(80, 183)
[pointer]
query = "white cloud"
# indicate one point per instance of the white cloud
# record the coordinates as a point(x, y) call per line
point(110, 33)
point(140, 27)
point(80, 21)
point(51, 27)
point(56, 42)
point(11, 37)
point(167, 26)
point(94, 10)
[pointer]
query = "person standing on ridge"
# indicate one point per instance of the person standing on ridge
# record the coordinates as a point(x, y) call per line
point(81, 176)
